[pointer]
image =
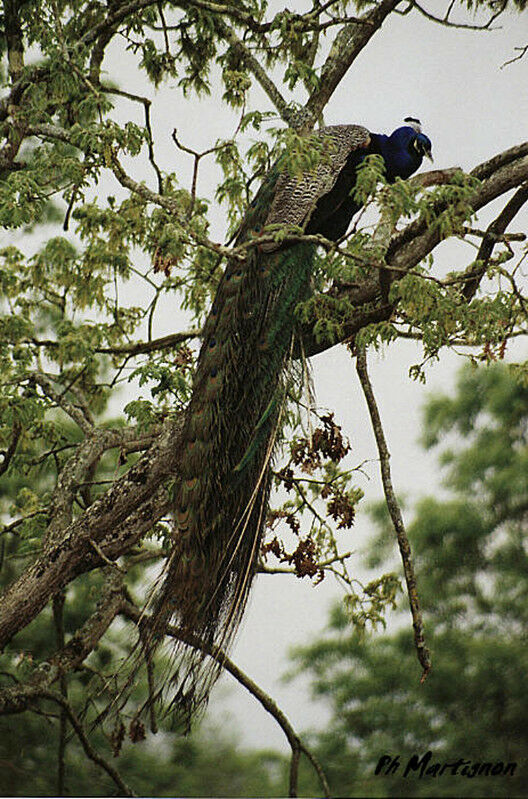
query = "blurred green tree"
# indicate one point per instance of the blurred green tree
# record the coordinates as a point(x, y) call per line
point(472, 558)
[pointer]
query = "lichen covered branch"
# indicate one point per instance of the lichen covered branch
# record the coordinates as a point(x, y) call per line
point(396, 515)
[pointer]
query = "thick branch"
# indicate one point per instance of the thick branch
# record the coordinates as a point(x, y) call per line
point(115, 522)
point(348, 44)
point(118, 15)
point(21, 697)
point(13, 35)
point(15, 60)
point(72, 475)
point(499, 175)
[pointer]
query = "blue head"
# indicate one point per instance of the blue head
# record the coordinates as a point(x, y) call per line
point(404, 150)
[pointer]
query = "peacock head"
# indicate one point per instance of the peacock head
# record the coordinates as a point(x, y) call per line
point(417, 142)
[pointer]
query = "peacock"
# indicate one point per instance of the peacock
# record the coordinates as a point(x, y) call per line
point(234, 415)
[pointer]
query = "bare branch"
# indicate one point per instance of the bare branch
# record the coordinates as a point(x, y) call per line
point(446, 22)
point(488, 168)
point(490, 239)
point(522, 52)
point(435, 177)
point(146, 103)
point(348, 44)
point(297, 746)
point(89, 750)
point(395, 513)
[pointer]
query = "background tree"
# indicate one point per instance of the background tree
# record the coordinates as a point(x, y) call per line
point(471, 555)
point(83, 489)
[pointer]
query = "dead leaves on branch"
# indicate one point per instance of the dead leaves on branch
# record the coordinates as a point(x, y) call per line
point(318, 456)
point(325, 443)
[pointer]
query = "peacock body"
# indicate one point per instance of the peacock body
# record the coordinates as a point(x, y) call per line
point(234, 412)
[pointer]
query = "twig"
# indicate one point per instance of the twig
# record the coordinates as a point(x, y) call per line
point(395, 513)
point(485, 234)
point(324, 564)
point(463, 25)
point(74, 413)
point(171, 205)
point(197, 158)
point(146, 103)
point(106, 560)
point(89, 750)
point(522, 52)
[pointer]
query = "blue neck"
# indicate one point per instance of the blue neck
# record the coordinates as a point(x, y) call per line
point(401, 160)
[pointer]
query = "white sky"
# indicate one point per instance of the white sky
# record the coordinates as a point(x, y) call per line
point(471, 109)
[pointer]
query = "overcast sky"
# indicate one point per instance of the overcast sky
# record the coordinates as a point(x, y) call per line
point(471, 109)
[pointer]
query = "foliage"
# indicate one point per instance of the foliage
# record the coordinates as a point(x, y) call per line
point(472, 561)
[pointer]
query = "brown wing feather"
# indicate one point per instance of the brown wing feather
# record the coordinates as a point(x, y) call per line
point(296, 195)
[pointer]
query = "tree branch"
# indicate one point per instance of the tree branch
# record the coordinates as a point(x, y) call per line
point(8, 454)
point(490, 239)
point(446, 22)
point(130, 611)
point(136, 347)
point(115, 521)
point(20, 697)
point(258, 71)
point(89, 750)
point(75, 414)
point(395, 513)
point(58, 618)
point(499, 175)
point(348, 44)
